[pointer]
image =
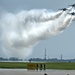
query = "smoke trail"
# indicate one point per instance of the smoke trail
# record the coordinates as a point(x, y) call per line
point(20, 32)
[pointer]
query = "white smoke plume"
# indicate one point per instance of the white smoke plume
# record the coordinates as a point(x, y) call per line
point(21, 31)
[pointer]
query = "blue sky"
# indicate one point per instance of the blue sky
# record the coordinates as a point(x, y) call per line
point(61, 44)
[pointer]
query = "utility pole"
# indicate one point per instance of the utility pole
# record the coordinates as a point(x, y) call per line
point(45, 55)
point(61, 56)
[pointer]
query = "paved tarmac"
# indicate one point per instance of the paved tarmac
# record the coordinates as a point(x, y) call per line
point(29, 72)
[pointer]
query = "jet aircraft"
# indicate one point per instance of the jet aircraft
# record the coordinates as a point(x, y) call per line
point(73, 13)
point(73, 5)
point(64, 9)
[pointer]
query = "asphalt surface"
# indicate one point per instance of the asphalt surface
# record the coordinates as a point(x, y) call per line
point(32, 72)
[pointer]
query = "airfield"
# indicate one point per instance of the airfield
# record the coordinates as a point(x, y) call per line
point(36, 23)
point(34, 72)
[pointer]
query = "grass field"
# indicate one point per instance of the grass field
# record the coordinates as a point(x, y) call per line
point(51, 65)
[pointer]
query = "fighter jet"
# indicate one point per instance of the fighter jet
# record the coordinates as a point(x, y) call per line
point(73, 13)
point(73, 5)
point(64, 9)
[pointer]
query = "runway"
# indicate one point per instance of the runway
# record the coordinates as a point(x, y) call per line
point(29, 72)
